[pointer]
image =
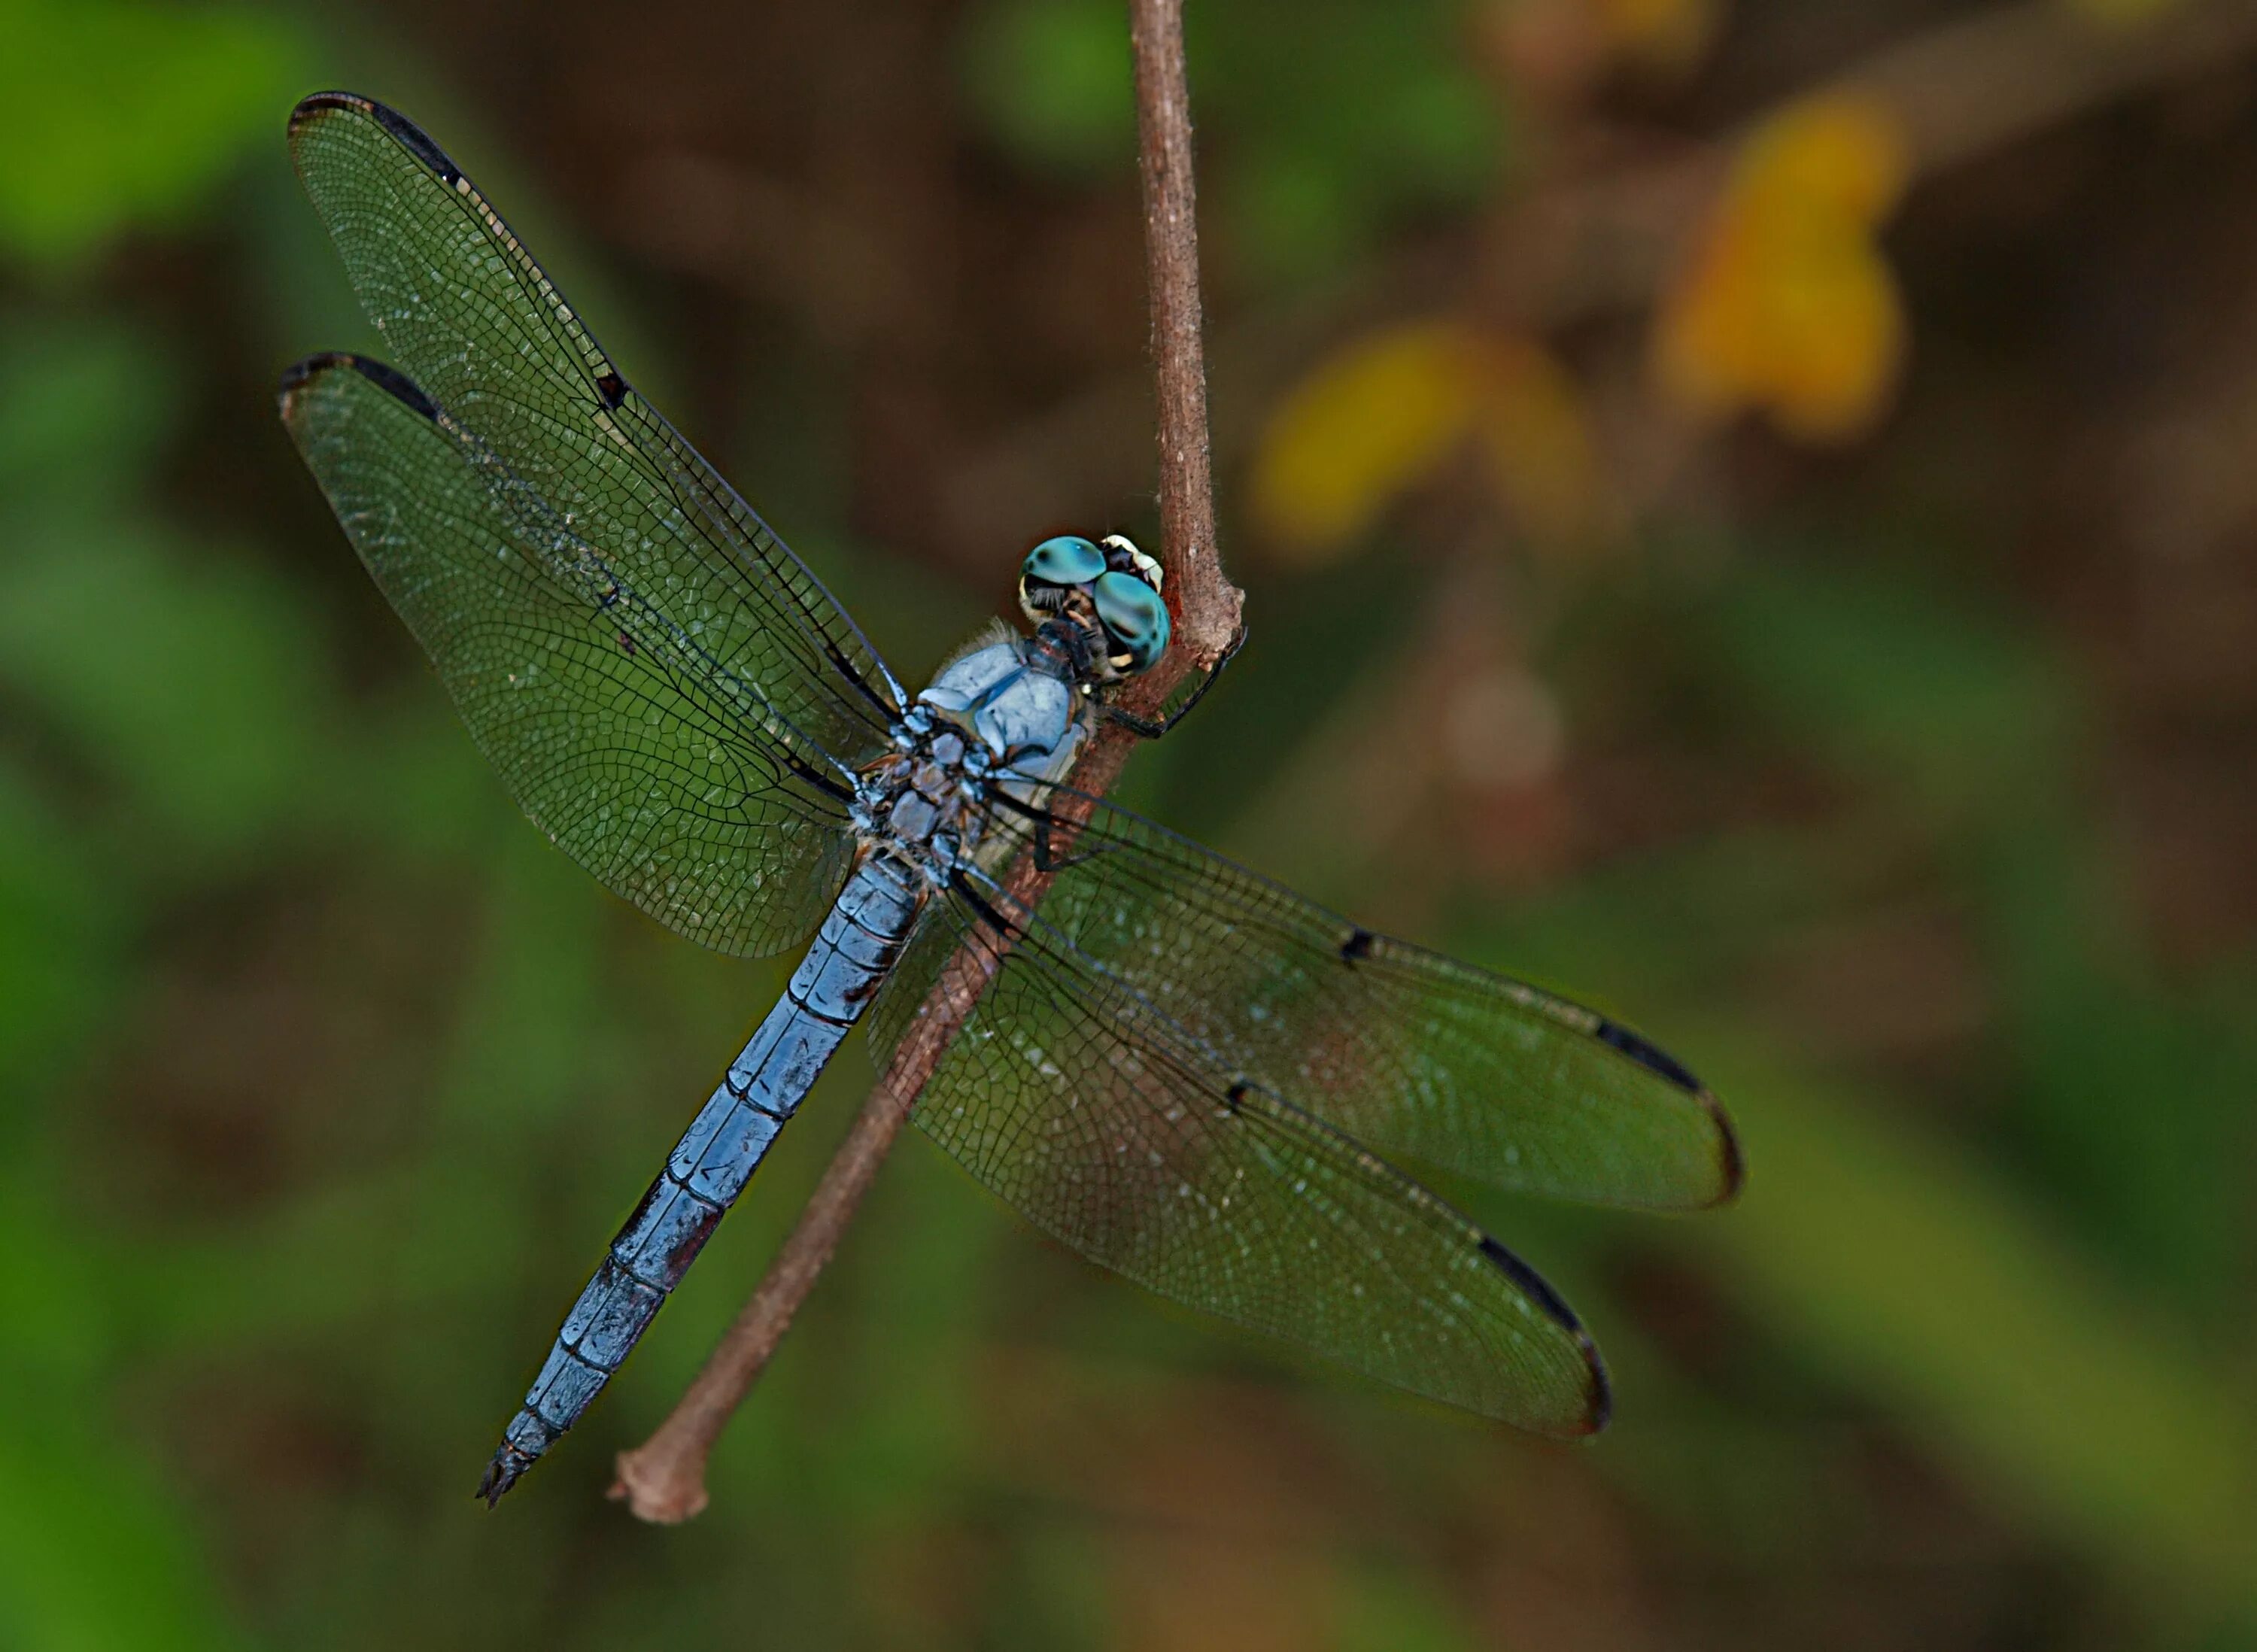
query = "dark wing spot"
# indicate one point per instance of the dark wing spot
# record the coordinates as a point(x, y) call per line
point(610, 389)
point(1648, 1054)
point(626, 644)
point(1357, 947)
point(1235, 1095)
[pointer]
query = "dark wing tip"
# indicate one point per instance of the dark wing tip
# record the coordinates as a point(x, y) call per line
point(1732, 1161)
point(1731, 1165)
point(313, 108)
point(1600, 1400)
point(390, 380)
point(1598, 1396)
point(300, 374)
point(403, 131)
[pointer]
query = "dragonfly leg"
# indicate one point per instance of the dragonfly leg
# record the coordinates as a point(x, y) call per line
point(1153, 728)
point(1048, 857)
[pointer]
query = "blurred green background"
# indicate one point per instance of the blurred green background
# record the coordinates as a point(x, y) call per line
point(1749, 512)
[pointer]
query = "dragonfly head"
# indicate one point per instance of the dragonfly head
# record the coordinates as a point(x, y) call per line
point(1109, 589)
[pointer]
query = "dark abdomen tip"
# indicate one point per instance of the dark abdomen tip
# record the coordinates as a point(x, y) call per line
point(508, 1466)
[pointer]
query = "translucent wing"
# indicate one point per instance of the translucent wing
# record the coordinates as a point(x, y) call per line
point(1410, 1052)
point(472, 320)
point(1111, 1126)
point(646, 766)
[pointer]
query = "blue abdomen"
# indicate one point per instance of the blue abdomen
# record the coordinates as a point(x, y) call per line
point(854, 952)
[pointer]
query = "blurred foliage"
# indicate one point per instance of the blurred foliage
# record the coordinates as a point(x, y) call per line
point(1318, 150)
point(1669, 33)
point(137, 111)
point(2129, 12)
point(1904, 788)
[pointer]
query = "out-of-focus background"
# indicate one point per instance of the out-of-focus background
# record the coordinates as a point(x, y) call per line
point(1750, 515)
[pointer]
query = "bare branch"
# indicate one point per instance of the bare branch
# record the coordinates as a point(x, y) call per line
point(1207, 605)
point(664, 1479)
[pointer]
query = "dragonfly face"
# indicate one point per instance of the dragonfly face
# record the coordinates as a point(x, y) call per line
point(1185, 1071)
point(1096, 608)
point(1108, 594)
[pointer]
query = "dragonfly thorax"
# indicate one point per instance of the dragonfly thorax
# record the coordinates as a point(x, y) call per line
point(1002, 719)
point(921, 801)
point(1019, 698)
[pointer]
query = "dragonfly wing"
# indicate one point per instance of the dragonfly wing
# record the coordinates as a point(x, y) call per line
point(641, 766)
point(1413, 1053)
point(483, 333)
point(1109, 1126)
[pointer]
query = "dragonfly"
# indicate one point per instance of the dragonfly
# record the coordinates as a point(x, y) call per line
point(1181, 1070)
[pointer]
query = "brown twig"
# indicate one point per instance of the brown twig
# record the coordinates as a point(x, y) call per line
point(1164, 142)
point(664, 1479)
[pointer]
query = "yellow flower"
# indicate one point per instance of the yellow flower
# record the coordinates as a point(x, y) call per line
point(1389, 410)
point(1788, 304)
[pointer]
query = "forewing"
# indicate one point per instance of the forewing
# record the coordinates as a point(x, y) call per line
point(471, 317)
point(1408, 1051)
point(1105, 1123)
point(641, 767)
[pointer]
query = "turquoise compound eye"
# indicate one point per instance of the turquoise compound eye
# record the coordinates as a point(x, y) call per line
point(1134, 616)
point(1066, 560)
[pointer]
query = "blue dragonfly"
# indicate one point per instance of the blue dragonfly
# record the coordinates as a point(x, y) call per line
point(1181, 1070)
